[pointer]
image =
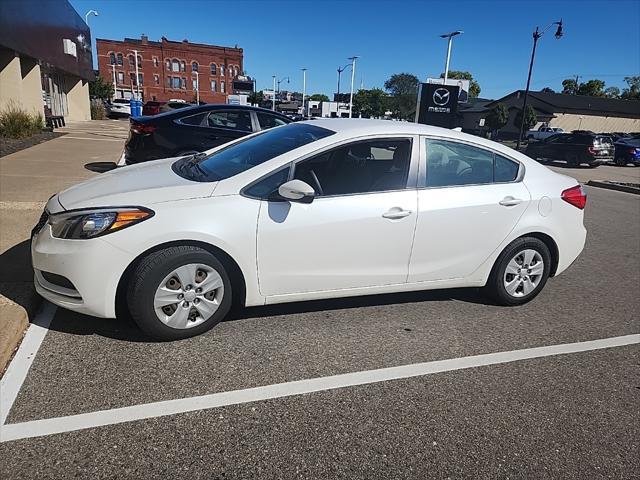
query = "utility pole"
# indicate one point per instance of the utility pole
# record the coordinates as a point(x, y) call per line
point(273, 97)
point(135, 52)
point(197, 88)
point(449, 36)
point(113, 68)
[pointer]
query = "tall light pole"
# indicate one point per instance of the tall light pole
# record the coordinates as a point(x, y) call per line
point(86, 20)
point(353, 76)
point(304, 89)
point(449, 36)
point(536, 36)
point(273, 97)
point(197, 88)
point(113, 68)
point(135, 53)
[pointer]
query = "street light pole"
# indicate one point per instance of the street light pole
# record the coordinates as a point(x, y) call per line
point(353, 76)
point(304, 89)
point(135, 53)
point(536, 36)
point(113, 68)
point(340, 70)
point(86, 16)
point(449, 36)
point(273, 97)
point(197, 88)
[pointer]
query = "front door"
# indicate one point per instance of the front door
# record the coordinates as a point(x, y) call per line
point(358, 230)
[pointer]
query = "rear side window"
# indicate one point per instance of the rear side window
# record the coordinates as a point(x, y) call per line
point(236, 120)
point(193, 119)
point(269, 121)
point(457, 164)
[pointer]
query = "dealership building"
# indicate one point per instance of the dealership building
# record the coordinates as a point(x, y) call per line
point(168, 69)
point(569, 112)
point(45, 59)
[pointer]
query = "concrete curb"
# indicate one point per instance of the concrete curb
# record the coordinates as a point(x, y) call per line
point(613, 186)
point(14, 321)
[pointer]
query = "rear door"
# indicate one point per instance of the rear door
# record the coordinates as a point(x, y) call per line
point(471, 199)
point(206, 130)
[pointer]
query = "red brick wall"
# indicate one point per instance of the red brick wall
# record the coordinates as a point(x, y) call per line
point(155, 78)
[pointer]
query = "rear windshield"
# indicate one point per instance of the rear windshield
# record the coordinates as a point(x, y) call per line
point(248, 153)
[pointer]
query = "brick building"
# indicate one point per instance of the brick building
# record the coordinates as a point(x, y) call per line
point(167, 69)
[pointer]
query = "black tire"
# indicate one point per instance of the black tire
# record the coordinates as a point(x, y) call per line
point(572, 160)
point(146, 278)
point(495, 288)
point(621, 162)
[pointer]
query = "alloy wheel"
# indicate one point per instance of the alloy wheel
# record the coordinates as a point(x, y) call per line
point(523, 273)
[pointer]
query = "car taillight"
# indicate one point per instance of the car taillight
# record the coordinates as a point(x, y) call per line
point(592, 150)
point(142, 129)
point(576, 196)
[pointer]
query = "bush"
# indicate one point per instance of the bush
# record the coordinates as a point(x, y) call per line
point(15, 122)
point(98, 112)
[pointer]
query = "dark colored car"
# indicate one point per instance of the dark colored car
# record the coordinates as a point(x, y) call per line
point(153, 107)
point(194, 129)
point(627, 151)
point(573, 148)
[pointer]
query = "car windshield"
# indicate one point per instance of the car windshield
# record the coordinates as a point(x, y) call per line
point(248, 153)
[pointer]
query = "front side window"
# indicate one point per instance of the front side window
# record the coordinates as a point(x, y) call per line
point(455, 164)
point(235, 120)
point(362, 167)
point(249, 152)
point(269, 121)
point(269, 185)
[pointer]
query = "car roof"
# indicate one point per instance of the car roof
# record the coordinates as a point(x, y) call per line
point(208, 107)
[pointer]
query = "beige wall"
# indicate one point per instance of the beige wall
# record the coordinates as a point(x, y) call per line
point(10, 78)
point(78, 99)
point(570, 121)
point(31, 86)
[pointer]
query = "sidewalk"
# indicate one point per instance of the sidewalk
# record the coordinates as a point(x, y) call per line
point(27, 179)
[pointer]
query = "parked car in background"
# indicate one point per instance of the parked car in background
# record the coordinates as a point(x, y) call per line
point(311, 210)
point(627, 151)
point(153, 107)
point(119, 107)
point(543, 132)
point(573, 148)
point(194, 129)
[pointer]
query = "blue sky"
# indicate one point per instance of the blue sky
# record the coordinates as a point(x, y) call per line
point(602, 38)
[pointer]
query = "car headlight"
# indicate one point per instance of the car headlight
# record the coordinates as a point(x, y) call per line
point(91, 223)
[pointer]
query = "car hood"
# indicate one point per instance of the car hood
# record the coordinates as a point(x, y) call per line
point(135, 185)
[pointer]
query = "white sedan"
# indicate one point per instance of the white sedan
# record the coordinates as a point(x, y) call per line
point(311, 210)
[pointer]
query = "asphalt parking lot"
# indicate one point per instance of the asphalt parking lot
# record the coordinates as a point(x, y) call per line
point(558, 415)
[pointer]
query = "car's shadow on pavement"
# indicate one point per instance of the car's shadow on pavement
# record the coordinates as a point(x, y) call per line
point(124, 329)
point(16, 277)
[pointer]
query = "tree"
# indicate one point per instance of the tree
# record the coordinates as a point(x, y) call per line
point(530, 118)
point(319, 97)
point(403, 88)
point(632, 92)
point(256, 98)
point(612, 92)
point(548, 90)
point(370, 103)
point(474, 87)
point(497, 117)
point(570, 86)
point(98, 88)
point(592, 88)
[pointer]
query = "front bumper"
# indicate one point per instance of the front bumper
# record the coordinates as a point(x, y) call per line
point(94, 267)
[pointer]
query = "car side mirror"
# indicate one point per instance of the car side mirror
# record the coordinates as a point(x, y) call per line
point(297, 191)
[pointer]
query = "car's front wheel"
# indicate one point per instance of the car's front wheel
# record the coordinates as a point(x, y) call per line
point(520, 272)
point(179, 292)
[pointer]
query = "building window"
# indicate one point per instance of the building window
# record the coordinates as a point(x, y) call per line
point(155, 62)
point(132, 61)
point(140, 79)
point(120, 59)
point(139, 60)
point(222, 69)
point(194, 66)
point(112, 58)
point(120, 78)
point(175, 82)
point(222, 86)
point(168, 65)
point(183, 66)
point(183, 83)
point(156, 79)
point(175, 65)
point(194, 84)
point(213, 85)
point(213, 69)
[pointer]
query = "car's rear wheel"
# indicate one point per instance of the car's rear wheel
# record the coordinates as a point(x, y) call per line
point(179, 292)
point(572, 159)
point(520, 272)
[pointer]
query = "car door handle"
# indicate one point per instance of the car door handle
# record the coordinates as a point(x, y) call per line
point(396, 213)
point(510, 201)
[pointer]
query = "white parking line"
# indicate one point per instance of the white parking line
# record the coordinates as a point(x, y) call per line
point(19, 367)
point(49, 426)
